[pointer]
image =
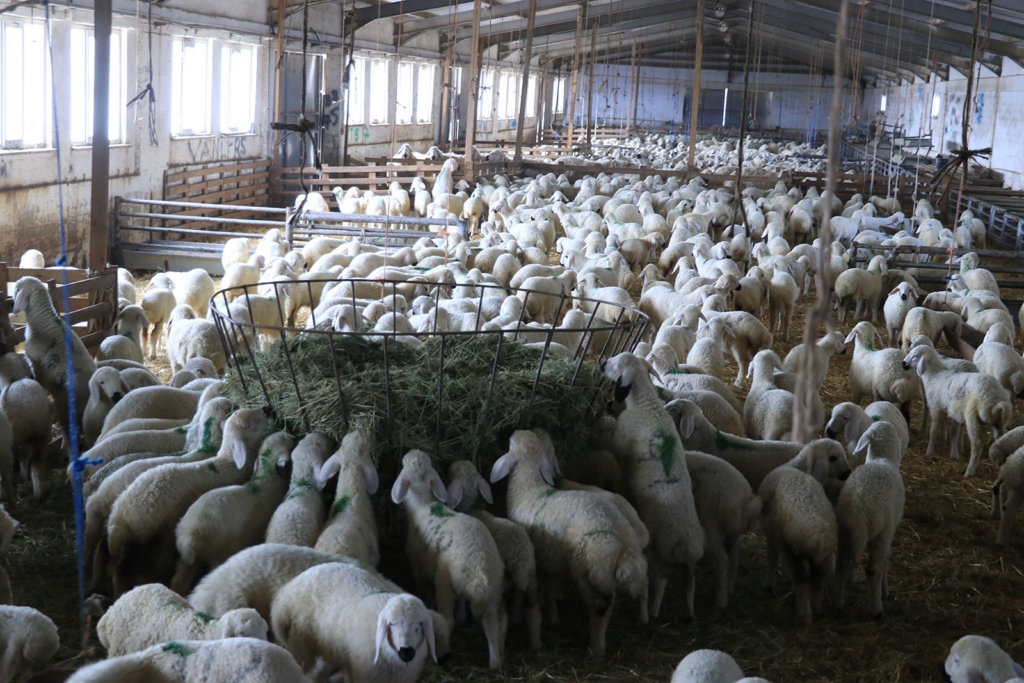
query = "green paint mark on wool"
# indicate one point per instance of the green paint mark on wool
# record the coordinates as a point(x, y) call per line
point(379, 591)
point(665, 444)
point(664, 395)
point(300, 487)
point(178, 648)
point(206, 444)
point(674, 371)
point(203, 616)
point(875, 418)
point(340, 505)
point(181, 430)
point(264, 470)
point(129, 335)
point(547, 493)
point(439, 510)
point(212, 467)
point(598, 532)
point(723, 440)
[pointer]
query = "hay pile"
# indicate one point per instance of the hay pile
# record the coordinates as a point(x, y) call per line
point(470, 425)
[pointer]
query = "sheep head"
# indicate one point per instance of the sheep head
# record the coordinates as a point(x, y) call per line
point(625, 369)
point(403, 626)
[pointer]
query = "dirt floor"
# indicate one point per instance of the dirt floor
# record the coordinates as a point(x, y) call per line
point(946, 576)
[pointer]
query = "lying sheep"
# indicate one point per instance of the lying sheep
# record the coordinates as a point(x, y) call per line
point(153, 614)
point(977, 659)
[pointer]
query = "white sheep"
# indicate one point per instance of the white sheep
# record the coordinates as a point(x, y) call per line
point(782, 295)
point(823, 349)
point(768, 410)
point(8, 527)
point(45, 349)
point(749, 335)
point(127, 343)
point(149, 509)
point(861, 287)
point(240, 660)
point(869, 509)
point(977, 659)
point(707, 352)
point(300, 516)
point(28, 641)
point(576, 535)
point(931, 324)
point(158, 304)
point(223, 521)
point(32, 259)
point(799, 526)
point(899, 302)
point(189, 337)
point(350, 529)
point(24, 434)
point(707, 666)
point(106, 388)
point(972, 399)
point(999, 359)
point(450, 550)
point(163, 402)
point(194, 288)
point(850, 420)
point(235, 250)
point(879, 373)
point(1008, 494)
point(154, 614)
point(659, 486)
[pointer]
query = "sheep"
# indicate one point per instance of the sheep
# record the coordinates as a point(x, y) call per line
point(1000, 360)
point(782, 295)
point(350, 529)
point(154, 614)
point(879, 373)
point(45, 339)
point(355, 623)
point(751, 292)
point(575, 534)
point(1007, 494)
point(931, 324)
point(543, 307)
point(822, 351)
point(189, 337)
point(681, 381)
point(163, 402)
point(240, 278)
point(977, 659)
point(241, 660)
point(707, 666)
point(146, 513)
point(768, 410)
point(106, 388)
point(24, 434)
point(800, 526)
point(194, 288)
point(850, 420)
point(127, 343)
point(717, 411)
point(32, 259)
point(974, 399)
point(659, 486)
point(869, 509)
point(862, 287)
point(727, 509)
point(223, 521)
point(707, 352)
point(1005, 445)
point(452, 550)
point(136, 378)
point(299, 518)
point(975, 277)
point(512, 541)
point(899, 302)
point(749, 335)
point(158, 304)
point(28, 641)
point(235, 250)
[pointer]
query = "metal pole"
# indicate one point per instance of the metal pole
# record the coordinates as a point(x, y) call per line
point(279, 81)
point(636, 87)
point(575, 75)
point(527, 56)
point(99, 228)
point(695, 95)
point(474, 90)
point(629, 102)
point(590, 85)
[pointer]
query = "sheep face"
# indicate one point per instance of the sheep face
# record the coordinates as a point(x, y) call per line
point(243, 623)
point(403, 627)
point(625, 369)
point(977, 659)
point(107, 382)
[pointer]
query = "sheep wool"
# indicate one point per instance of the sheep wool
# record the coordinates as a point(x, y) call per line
point(300, 516)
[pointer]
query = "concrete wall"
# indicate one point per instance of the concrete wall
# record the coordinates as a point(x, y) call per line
point(997, 118)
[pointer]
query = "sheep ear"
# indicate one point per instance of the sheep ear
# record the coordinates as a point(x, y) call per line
point(323, 474)
point(485, 490)
point(819, 469)
point(686, 424)
point(124, 387)
point(850, 337)
point(895, 290)
point(382, 634)
point(849, 432)
point(239, 453)
point(621, 393)
point(546, 472)
point(94, 392)
point(862, 447)
point(650, 369)
point(428, 635)
point(400, 489)
point(371, 479)
point(922, 364)
point(502, 466)
point(437, 488)
point(455, 493)
point(878, 338)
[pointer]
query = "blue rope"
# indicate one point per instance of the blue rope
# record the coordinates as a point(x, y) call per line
point(78, 464)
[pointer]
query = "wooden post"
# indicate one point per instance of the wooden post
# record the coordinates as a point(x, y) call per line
point(446, 77)
point(279, 83)
point(636, 87)
point(629, 92)
point(542, 102)
point(474, 90)
point(99, 228)
point(695, 96)
point(590, 85)
point(527, 56)
point(575, 75)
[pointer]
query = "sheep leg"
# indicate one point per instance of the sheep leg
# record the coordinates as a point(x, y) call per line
point(772, 562)
point(734, 563)
point(801, 585)
point(856, 312)
point(533, 616)
point(954, 443)
point(974, 434)
point(933, 431)
point(100, 567)
point(38, 467)
point(491, 620)
point(1010, 502)
point(600, 607)
point(690, 581)
point(657, 579)
point(550, 592)
point(875, 574)
point(996, 505)
point(817, 584)
point(717, 556)
point(444, 595)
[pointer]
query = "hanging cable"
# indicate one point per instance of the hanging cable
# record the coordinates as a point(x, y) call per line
point(148, 92)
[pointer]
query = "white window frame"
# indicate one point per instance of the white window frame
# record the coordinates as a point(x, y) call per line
point(508, 96)
point(531, 97)
point(357, 91)
point(405, 93)
point(485, 99)
point(182, 91)
point(884, 104)
point(227, 79)
point(558, 96)
point(379, 107)
point(426, 77)
point(936, 105)
point(82, 84)
point(39, 73)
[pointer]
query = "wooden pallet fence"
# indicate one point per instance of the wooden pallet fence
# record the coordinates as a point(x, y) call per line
point(244, 183)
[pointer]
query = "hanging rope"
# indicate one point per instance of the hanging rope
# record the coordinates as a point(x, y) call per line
point(738, 191)
point(148, 92)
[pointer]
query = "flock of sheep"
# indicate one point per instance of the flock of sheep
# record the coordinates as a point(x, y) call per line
point(214, 533)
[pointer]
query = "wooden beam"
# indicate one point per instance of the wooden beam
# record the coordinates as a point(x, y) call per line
point(542, 102)
point(99, 229)
point(575, 74)
point(446, 77)
point(279, 83)
point(695, 95)
point(636, 86)
point(527, 56)
point(629, 101)
point(474, 90)
point(590, 84)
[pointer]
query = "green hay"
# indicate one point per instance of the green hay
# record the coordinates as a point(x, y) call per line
point(471, 426)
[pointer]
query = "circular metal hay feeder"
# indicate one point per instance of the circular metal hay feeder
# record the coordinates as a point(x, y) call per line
point(458, 389)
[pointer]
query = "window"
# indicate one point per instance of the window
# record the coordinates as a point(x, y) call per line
point(936, 105)
point(82, 67)
point(379, 98)
point(404, 101)
point(508, 96)
point(238, 89)
point(725, 106)
point(357, 92)
point(558, 96)
point(24, 85)
point(192, 92)
point(884, 104)
point(531, 97)
point(425, 93)
point(485, 104)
